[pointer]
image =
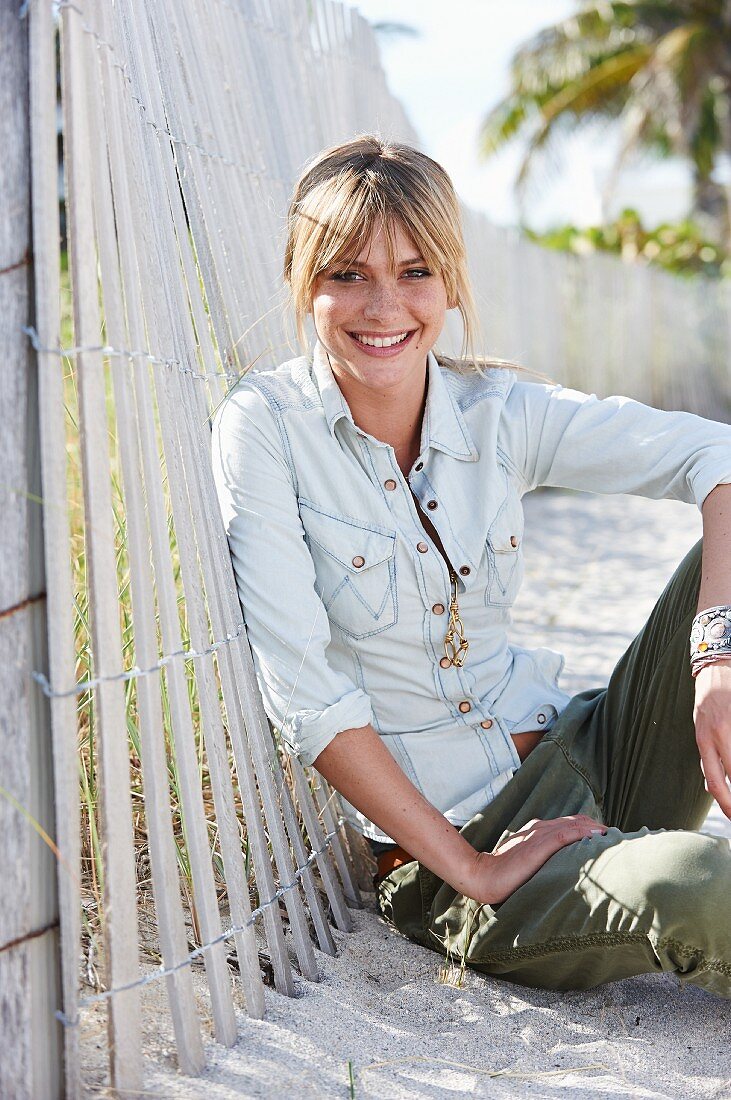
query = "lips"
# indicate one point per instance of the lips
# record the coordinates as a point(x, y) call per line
point(380, 341)
point(382, 345)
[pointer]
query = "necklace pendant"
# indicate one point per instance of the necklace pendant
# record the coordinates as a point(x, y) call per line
point(455, 643)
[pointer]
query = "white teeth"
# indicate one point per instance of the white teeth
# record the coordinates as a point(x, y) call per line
point(380, 341)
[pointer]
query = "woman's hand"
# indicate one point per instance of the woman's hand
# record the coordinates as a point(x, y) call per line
point(712, 716)
point(515, 859)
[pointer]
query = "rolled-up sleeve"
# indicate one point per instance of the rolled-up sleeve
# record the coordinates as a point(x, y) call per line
point(286, 622)
point(560, 437)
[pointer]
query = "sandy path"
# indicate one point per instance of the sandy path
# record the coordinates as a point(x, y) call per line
point(384, 1000)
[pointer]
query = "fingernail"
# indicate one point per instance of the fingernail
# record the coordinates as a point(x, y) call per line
point(601, 832)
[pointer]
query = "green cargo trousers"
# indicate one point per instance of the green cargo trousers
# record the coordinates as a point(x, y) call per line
point(650, 895)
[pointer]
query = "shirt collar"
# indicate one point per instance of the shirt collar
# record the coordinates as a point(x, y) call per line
point(444, 428)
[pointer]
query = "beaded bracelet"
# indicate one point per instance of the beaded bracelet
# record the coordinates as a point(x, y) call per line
point(710, 638)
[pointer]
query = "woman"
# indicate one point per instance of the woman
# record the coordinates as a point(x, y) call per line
point(371, 495)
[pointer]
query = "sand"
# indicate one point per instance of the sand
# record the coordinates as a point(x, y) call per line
point(390, 1012)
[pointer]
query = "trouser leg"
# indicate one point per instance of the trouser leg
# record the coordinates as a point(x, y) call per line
point(637, 743)
point(632, 902)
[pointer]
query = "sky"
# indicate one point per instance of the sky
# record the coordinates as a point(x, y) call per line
point(458, 68)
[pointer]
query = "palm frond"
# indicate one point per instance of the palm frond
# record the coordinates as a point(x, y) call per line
point(599, 85)
point(504, 121)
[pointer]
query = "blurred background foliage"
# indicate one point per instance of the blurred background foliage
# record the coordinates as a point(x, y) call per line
point(682, 249)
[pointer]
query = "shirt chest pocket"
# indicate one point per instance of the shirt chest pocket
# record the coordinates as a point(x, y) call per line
point(505, 552)
point(355, 568)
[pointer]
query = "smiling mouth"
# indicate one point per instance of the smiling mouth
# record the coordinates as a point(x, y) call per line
point(381, 341)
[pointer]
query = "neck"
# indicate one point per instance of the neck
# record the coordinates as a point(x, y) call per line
point(393, 415)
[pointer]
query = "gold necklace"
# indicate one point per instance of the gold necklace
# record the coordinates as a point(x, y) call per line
point(455, 643)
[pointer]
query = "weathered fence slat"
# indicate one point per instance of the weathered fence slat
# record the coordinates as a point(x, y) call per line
point(119, 879)
point(315, 834)
point(324, 800)
point(59, 586)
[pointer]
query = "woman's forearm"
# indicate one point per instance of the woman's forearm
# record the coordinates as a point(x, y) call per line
point(716, 571)
point(358, 764)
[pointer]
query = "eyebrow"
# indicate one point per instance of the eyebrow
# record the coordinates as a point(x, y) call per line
point(403, 263)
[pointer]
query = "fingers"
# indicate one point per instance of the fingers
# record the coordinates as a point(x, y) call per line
point(716, 778)
point(568, 830)
point(575, 823)
point(552, 834)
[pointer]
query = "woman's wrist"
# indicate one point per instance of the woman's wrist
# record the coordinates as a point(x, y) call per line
point(463, 867)
point(710, 637)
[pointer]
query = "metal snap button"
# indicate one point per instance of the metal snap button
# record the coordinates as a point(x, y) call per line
point(419, 466)
point(514, 540)
point(358, 561)
point(389, 484)
point(432, 504)
point(465, 570)
point(445, 663)
point(541, 718)
point(422, 547)
point(465, 707)
point(487, 724)
point(438, 608)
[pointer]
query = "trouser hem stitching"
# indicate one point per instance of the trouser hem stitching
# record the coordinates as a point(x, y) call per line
point(687, 952)
point(553, 947)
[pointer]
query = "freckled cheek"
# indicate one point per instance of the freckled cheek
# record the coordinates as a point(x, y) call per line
point(428, 302)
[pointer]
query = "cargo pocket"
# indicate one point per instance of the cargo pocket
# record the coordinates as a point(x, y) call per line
point(355, 568)
point(505, 551)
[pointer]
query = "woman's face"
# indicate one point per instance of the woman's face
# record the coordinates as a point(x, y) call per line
point(377, 323)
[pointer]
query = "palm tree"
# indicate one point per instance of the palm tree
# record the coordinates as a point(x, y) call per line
point(660, 67)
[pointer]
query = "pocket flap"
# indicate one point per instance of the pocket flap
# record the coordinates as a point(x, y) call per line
point(506, 534)
point(505, 540)
point(355, 545)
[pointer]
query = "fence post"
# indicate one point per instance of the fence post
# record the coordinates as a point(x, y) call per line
point(30, 1041)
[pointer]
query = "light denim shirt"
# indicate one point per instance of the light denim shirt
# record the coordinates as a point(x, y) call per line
point(344, 592)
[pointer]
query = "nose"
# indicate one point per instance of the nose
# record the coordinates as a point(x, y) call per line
point(382, 302)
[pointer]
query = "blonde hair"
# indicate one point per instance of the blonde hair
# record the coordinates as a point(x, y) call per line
point(348, 191)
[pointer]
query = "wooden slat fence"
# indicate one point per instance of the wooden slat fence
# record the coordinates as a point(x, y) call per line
point(185, 123)
point(601, 325)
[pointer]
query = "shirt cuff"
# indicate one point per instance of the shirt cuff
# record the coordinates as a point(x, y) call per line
point(707, 480)
point(308, 732)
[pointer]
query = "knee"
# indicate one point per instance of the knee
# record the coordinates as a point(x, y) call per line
point(696, 865)
point(679, 884)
